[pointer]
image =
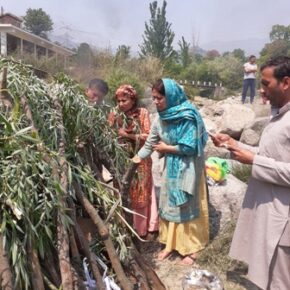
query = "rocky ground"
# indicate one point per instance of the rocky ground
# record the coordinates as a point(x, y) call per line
point(173, 275)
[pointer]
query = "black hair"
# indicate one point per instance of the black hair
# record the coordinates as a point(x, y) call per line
point(252, 56)
point(281, 65)
point(159, 87)
point(100, 85)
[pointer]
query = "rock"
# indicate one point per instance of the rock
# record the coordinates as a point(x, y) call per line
point(225, 201)
point(210, 125)
point(261, 110)
point(252, 132)
point(235, 118)
point(211, 150)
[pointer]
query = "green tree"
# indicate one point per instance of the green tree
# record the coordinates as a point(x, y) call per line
point(184, 53)
point(276, 48)
point(158, 36)
point(227, 69)
point(280, 32)
point(84, 55)
point(212, 54)
point(123, 52)
point(239, 53)
point(38, 22)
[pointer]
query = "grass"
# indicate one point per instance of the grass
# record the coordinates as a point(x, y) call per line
point(216, 259)
point(242, 172)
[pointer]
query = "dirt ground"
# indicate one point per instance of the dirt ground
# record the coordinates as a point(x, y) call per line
point(172, 275)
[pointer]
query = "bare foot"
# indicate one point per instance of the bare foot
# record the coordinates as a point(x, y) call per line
point(188, 260)
point(163, 255)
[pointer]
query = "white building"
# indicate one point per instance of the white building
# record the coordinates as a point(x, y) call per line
point(14, 40)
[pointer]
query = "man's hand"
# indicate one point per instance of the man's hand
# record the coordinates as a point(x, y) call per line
point(222, 140)
point(241, 155)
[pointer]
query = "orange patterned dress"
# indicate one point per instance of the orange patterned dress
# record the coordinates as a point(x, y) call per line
point(137, 122)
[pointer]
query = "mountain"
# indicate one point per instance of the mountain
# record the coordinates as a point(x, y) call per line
point(250, 45)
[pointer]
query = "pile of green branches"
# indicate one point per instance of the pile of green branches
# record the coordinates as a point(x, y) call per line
point(53, 145)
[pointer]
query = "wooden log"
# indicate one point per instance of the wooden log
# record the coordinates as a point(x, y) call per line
point(153, 280)
point(85, 248)
point(104, 233)
point(5, 270)
point(50, 266)
point(5, 98)
point(34, 265)
point(62, 233)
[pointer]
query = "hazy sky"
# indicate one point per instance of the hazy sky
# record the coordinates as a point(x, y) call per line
point(105, 23)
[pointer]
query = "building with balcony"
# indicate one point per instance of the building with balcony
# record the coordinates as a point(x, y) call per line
point(15, 40)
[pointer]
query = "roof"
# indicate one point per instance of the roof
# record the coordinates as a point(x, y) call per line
point(20, 33)
point(11, 15)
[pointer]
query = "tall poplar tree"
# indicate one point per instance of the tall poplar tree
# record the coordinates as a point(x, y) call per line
point(158, 36)
point(184, 53)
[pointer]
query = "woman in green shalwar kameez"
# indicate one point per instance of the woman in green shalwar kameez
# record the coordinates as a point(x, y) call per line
point(179, 134)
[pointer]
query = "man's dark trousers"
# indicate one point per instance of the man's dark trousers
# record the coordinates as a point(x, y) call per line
point(246, 84)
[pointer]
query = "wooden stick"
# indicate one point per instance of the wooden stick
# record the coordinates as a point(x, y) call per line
point(62, 233)
point(5, 271)
point(125, 190)
point(104, 233)
point(85, 248)
point(36, 275)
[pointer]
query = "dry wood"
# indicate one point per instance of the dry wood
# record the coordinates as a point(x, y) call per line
point(104, 233)
point(139, 275)
point(85, 248)
point(153, 280)
point(52, 269)
point(5, 271)
point(88, 157)
point(34, 265)
point(63, 255)
point(62, 233)
point(5, 98)
point(49, 284)
point(125, 189)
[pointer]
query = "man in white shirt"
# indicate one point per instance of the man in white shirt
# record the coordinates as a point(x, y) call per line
point(250, 69)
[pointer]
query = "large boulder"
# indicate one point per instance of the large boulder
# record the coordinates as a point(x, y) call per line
point(210, 125)
point(235, 118)
point(252, 132)
point(225, 202)
point(211, 150)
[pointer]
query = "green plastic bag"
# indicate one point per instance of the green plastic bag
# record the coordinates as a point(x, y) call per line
point(217, 169)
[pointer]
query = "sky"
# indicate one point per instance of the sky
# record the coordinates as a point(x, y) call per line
point(208, 23)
